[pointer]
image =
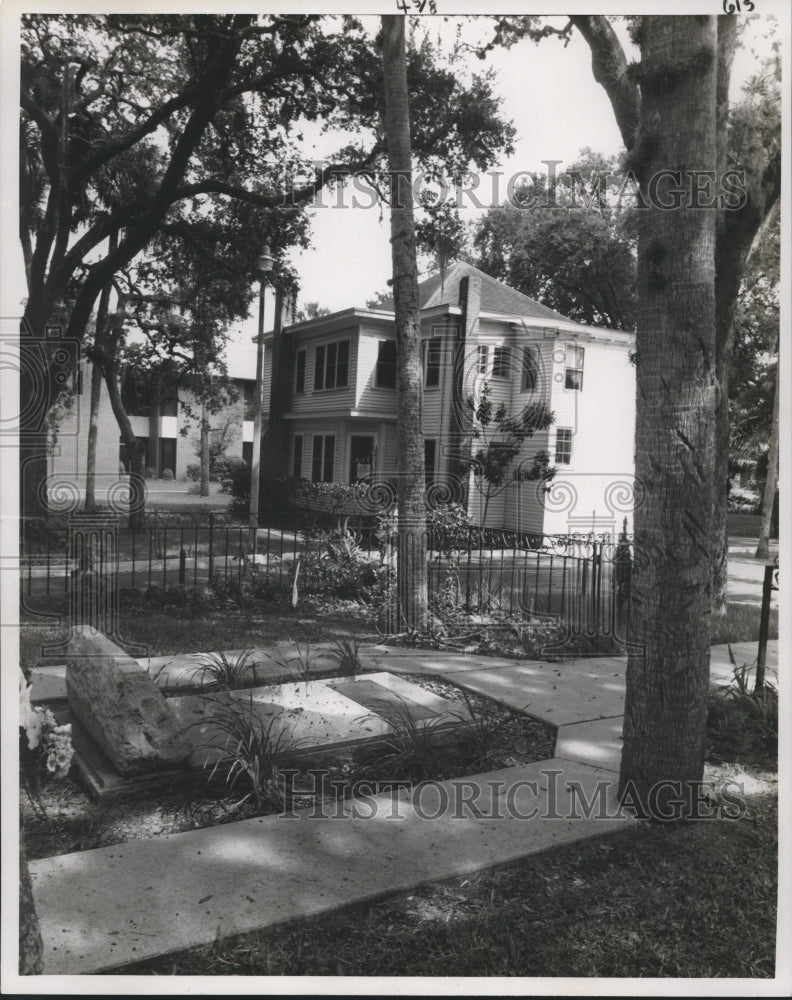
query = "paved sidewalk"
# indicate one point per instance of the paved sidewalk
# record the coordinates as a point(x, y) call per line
point(105, 908)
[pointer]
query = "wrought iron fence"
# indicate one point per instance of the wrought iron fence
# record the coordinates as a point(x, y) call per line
point(582, 580)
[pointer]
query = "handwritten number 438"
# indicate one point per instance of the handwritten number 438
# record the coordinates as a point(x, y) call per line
point(735, 7)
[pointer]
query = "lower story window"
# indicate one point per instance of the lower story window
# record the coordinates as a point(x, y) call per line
point(563, 453)
point(297, 456)
point(430, 460)
point(323, 459)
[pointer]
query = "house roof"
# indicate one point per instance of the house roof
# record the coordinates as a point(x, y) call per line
point(496, 297)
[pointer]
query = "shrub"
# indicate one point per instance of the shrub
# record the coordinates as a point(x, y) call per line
point(151, 472)
point(167, 474)
point(342, 572)
point(194, 472)
point(236, 480)
point(449, 528)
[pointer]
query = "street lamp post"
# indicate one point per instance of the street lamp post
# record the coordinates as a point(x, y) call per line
point(264, 266)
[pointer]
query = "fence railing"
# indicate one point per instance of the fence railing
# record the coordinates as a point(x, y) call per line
point(582, 580)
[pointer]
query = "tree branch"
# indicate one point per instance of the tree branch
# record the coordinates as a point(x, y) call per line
point(609, 65)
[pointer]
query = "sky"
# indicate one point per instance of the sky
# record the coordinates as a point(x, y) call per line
point(548, 92)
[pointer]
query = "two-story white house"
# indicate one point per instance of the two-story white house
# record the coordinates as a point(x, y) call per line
point(330, 392)
point(329, 405)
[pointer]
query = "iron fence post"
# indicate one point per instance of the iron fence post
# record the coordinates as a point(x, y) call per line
point(764, 628)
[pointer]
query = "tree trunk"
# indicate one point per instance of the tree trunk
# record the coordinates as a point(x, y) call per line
point(204, 451)
point(93, 435)
point(96, 392)
point(771, 484)
point(411, 565)
point(31, 950)
point(155, 428)
point(668, 661)
point(137, 465)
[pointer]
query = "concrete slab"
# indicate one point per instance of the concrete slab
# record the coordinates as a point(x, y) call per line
point(598, 743)
point(402, 660)
point(276, 663)
point(104, 908)
point(48, 684)
point(556, 693)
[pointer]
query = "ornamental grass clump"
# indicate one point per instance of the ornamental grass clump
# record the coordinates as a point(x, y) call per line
point(226, 672)
point(412, 750)
point(253, 753)
point(346, 656)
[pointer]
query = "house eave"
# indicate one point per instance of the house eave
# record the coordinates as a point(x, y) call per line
point(343, 414)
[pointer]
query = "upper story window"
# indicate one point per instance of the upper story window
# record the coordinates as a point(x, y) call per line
point(563, 454)
point(574, 367)
point(134, 395)
point(331, 369)
point(482, 359)
point(299, 371)
point(530, 369)
point(433, 357)
point(500, 362)
point(386, 365)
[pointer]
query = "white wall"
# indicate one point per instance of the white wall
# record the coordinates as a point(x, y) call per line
point(594, 492)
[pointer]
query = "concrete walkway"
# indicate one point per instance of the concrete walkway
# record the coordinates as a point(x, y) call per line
point(104, 908)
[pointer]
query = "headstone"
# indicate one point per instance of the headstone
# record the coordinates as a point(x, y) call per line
point(120, 706)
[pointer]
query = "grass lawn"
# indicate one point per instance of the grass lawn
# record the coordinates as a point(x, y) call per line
point(741, 624)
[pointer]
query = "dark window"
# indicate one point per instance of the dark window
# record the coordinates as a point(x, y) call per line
point(483, 359)
point(167, 455)
point(247, 452)
point(574, 369)
point(323, 457)
point(134, 396)
point(530, 373)
point(332, 365)
point(319, 368)
point(430, 460)
point(563, 455)
point(500, 362)
point(361, 457)
point(297, 456)
point(248, 388)
point(169, 407)
point(78, 381)
point(299, 378)
point(432, 367)
point(386, 365)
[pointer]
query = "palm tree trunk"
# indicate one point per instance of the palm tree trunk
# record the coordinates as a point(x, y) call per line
point(411, 566)
point(771, 484)
point(668, 660)
point(204, 451)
